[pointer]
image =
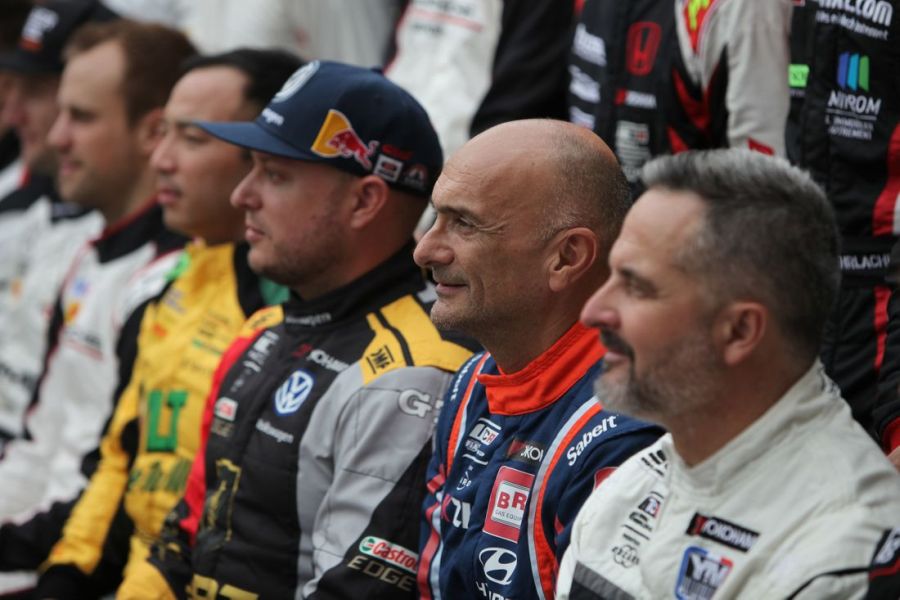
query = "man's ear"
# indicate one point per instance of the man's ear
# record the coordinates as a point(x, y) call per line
point(148, 130)
point(370, 193)
point(740, 328)
point(572, 253)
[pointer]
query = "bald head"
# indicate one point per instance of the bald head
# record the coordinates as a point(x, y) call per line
point(567, 171)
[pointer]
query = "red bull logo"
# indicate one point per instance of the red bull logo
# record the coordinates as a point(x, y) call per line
point(337, 138)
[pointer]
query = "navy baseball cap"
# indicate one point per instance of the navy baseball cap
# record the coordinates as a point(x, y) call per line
point(47, 29)
point(352, 118)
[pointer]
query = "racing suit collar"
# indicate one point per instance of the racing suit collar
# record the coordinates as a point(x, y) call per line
point(811, 396)
point(390, 279)
point(548, 377)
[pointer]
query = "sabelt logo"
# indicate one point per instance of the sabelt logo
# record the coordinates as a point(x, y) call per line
point(880, 12)
point(393, 554)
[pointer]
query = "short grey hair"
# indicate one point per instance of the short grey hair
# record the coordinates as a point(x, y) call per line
point(769, 235)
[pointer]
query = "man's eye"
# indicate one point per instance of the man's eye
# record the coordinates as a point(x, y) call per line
point(273, 176)
point(463, 223)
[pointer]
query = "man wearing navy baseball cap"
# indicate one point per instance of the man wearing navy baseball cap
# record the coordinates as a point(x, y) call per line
point(318, 425)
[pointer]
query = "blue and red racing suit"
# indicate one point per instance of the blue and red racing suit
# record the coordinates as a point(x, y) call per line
point(515, 456)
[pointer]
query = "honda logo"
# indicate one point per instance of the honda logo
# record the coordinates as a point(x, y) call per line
point(499, 564)
point(643, 42)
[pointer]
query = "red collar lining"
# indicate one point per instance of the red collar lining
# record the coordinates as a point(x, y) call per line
point(548, 377)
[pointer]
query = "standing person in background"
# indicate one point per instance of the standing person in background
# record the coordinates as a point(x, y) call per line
point(520, 441)
point(147, 450)
point(40, 234)
point(729, 86)
point(117, 78)
point(317, 427)
point(849, 140)
point(618, 69)
point(11, 21)
point(764, 487)
point(352, 31)
point(475, 63)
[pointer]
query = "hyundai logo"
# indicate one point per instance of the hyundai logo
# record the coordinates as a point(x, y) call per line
point(499, 564)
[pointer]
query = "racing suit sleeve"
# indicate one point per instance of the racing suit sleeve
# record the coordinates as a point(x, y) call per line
point(167, 572)
point(27, 539)
point(886, 414)
point(99, 513)
point(528, 77)
point(758, 97)
point(430, 512)
point(558, 506)
point(366, 528)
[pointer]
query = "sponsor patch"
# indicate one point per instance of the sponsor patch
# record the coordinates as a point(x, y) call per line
point(296, 81)
point(588, 437)
point(292, 393)
point(337, 138)
point(415, 403)
point(40, 21)
point(225, 408)
point(393, 554)
point(625, 555)
point(642, 44)
point(483, 433)
point(588, 46)
point(651, 505)
point(498, 564)
point(888, 552)
point(388, 168)
point(415, 177)
point(722, 531)
point(509, 498)
point(280, 436)
point(701, 574)
point(525, 451)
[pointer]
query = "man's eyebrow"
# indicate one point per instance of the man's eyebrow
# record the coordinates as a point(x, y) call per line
point(457, 210)
point(635, 278)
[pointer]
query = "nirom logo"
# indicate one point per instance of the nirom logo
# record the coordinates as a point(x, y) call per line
point(853, 76)
point(853, 72)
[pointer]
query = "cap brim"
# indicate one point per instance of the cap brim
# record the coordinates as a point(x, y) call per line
point(251, 135)
point(13, 61)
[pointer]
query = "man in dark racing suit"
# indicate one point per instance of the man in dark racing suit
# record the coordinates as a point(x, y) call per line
point(521, 440)
point(847, 53)
point(316, 437)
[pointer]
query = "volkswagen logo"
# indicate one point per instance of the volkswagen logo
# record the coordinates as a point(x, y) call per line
point(499, 564)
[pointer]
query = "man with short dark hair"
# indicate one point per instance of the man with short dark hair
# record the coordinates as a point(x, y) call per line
point(722, 280)
point(517, 248)
point(103, 163)
point(145, 461)
point(40, 234)
point(316, 433)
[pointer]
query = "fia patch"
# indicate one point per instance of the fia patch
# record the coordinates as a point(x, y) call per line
point(293, 392)
point(509, 498)
point(702, 573)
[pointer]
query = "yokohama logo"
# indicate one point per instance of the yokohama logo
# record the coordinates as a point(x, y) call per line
point(393, 554)
point(722, 531)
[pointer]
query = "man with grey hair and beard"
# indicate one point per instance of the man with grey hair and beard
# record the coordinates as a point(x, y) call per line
point(765, 487)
